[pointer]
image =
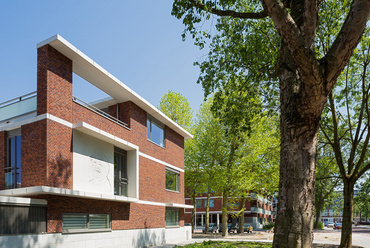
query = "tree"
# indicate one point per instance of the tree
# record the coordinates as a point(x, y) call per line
point(305, 81)
point(327, 179)
point(363, 198)
point(177, 107)
point(346, 125)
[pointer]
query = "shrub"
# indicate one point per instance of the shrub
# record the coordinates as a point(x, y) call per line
point(269, 226)
point(320, 226)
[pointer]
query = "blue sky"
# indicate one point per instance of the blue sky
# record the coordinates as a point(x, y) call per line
point(139, 42)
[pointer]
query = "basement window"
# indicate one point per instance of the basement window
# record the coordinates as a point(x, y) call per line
point(75, 223)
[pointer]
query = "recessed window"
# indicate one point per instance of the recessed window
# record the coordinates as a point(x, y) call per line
point(172, 217)
point(172, 180)
point(155, 131)
point(120, 172)
point(85, 222)
point(13, 169)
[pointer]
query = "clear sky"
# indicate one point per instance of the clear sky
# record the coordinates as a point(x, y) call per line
point(139, 42)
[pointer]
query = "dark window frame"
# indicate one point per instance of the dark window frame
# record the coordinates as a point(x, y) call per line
point(176, 175)
point(150, 121)
point(14, 159)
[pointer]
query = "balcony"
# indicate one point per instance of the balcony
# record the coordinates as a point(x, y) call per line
point(18, 106)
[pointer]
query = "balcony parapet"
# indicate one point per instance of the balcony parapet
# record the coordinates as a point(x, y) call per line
point(18, 106)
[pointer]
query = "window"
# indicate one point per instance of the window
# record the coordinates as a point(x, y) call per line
point(120, 172)
point(211, 203)
point(172, 180)
point(172, 217)
point(13, 169)
point(155, 131)
point(198, 203)
point(85, 222)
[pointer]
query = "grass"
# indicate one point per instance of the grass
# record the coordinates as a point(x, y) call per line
point(228, 244)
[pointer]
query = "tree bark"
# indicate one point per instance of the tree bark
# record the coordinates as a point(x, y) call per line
point(346, 235)
point(241, 217)
point(193, 213)
point(207, 211)
point(225, 200)
point(299, 139)
point(318, 212)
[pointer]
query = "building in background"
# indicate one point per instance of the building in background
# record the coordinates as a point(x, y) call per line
point(258, 210)
point(106, 174)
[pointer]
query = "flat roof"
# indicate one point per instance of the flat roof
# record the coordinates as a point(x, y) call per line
point(89, 70)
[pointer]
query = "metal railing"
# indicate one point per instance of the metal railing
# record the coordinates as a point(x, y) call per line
point(99, 111)
point(18, 106)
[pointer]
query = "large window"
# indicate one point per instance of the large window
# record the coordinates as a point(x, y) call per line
point(13, 169)
point(120, 172)
point(172, 217)
point(198, 203)
point(155, 131)
point(172, 180)
point(73, 222)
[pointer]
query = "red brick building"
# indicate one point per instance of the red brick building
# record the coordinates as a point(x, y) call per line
point(258, 210)
point(114, 167)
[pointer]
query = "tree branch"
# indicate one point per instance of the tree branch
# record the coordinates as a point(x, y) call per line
point(231, 13)
point(342, 48)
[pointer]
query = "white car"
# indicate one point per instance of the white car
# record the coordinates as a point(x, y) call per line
point(330, 225)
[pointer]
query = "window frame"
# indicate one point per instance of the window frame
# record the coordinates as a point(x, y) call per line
point(211, 203)
point(161, 126)
point(87, 229)
point(177, 180)
point(177, 221)
point(14, 151)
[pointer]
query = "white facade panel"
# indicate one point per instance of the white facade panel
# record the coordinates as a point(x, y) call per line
point(93, 164)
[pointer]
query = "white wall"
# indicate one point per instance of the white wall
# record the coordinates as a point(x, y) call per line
point(123, 238)
point(93, 168)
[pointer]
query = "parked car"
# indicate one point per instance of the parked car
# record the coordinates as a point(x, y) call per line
point(212, 227)
point(230, 228)
point(330, 224)
point(248, 228)
point(338, 226)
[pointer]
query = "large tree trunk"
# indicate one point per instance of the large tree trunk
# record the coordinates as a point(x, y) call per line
point(225, 216)
point(241, 217)
point(207, 212)
point(318, 211)
point(193, 214)
point(299, 139)
point(346, 235)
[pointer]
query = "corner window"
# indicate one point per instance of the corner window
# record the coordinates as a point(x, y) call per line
point(85, 222)
point(13, 168)
point(172, 217)
point(155, 131)
point(172, 180)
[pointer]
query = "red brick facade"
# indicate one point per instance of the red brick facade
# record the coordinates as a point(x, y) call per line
point(47, 152)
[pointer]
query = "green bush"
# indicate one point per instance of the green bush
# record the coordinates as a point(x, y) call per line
point(269, 226)
point(320, 226)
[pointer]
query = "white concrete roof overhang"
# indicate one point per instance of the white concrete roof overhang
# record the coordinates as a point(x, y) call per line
point(86, 68)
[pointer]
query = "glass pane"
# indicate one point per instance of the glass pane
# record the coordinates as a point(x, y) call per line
point(172, 181)
point(18, 160)
point(148, 124)
point(211, 203)
point(9, 183)
point(157, 134)
point(11, 152)
point(99, 221)
point(74, 221)
point(172, 217)
point(18, 108)
point(120, 173)
point(198, 203)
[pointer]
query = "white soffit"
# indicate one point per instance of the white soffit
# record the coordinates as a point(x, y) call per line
point(99, 77)
point(102, 135)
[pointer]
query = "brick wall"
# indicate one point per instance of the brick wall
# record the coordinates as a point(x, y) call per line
point(3, 162)
point(123, 215)
point(33, 149)
point(54, 83)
